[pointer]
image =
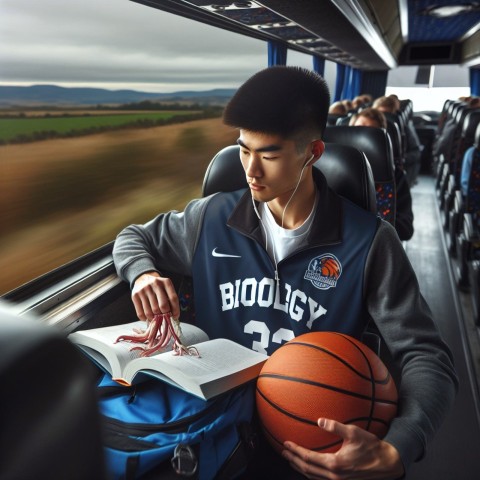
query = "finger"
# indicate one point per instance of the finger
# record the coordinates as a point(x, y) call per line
point(146, 306)
point(138, 304)
point(173, 301)
point(304, 461)
point(337, 428)
point(153, 304)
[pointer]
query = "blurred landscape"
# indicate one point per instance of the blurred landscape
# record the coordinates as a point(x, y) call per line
point(63, 197)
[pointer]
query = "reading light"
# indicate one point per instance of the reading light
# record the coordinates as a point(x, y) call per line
point(446, 11)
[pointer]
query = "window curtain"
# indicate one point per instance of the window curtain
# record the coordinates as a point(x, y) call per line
point(352, 82)
point(277, 53)
point(475, 82)
point(357, 76)
point(347, 83)
point(319, 65)
point(374, 83)
point(339, 82)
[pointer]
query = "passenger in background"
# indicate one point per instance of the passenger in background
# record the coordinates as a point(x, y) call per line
point(389, 105)
point(413, 152)
point(466, 168)
point(372, 117)
point(367, 99)
point(358, 102)
point(348, 105)
point(336, 112)
point(443, 143)
point(474, 102)
point(337, 108)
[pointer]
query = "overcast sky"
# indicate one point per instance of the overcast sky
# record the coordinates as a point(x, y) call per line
point(119, 44)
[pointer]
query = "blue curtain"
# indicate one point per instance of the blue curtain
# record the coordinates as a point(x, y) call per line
point(475, 82)
point(339, 82)
point(357, 76)
point(347, 83)
point(277, 53)
point(374, 83)
point(319, 65)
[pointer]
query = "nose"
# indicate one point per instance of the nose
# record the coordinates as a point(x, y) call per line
point(253, 167)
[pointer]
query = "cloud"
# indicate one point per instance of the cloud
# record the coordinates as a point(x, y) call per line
point(119, 42)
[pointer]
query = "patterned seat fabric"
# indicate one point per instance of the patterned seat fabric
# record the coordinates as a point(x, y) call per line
point(385, 193)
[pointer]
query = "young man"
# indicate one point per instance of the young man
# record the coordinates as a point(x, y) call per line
point(251, 254)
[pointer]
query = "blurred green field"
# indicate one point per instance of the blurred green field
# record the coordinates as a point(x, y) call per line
point(62, 198)
point(11, 128)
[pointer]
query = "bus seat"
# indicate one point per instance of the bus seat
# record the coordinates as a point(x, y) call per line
point(455, 214)
point(397, 148)
point(333, 118)
point(468, 240)
point(346, 169)
point(377, 146)
point(343, 120)
point(466, 140)
point(50, 424)
point(450, 138)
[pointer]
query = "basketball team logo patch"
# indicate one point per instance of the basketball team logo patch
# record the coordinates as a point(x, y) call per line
point(324, 271)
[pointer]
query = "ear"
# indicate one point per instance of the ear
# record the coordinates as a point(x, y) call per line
point(317, 149)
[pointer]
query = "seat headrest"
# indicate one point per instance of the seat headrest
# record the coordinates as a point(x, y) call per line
point(225, 172)
point(374, 142)
point(349, 174)
point(346, 169)
point(395, 135)
point(470, 124)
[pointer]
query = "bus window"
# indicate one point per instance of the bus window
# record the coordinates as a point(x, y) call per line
point(72, 175)
point(442, 82)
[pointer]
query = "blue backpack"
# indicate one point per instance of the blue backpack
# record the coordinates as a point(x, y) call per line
point(155, 429)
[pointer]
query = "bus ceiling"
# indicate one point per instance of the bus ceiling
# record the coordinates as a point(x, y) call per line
point(363, 34)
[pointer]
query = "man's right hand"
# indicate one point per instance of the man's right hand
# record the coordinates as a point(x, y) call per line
point(153, 294)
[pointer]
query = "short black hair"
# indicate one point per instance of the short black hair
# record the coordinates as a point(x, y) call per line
point(280, 100)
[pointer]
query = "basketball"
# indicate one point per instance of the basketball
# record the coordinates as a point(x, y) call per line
point(323, 374)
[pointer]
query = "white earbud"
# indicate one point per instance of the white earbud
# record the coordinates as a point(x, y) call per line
point(309, 160)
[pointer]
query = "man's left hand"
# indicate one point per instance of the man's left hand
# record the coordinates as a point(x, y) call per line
point(361, 456)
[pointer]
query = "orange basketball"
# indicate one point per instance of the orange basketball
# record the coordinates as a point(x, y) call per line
point(323, 374)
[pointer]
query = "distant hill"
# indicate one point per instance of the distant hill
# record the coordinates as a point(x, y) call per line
point(53, 95)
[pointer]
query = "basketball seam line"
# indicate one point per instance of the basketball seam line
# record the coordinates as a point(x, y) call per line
point(326, 386)
point(341, 360)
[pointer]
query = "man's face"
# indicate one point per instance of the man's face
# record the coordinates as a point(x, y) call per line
point(272, 165)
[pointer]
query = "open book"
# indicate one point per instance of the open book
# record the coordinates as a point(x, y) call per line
point(220, 366)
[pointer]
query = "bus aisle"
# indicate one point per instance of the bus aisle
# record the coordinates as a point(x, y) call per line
point(454, 452)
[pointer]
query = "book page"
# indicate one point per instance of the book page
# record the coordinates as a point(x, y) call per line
point(119, 354)
point(218, 358)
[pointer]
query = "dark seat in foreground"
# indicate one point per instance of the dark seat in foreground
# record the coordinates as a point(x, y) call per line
point(50, 426)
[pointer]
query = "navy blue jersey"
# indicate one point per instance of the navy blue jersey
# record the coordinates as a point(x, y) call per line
point(320, 287)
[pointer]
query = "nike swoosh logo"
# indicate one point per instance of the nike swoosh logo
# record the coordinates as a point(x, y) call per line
point(218, 254)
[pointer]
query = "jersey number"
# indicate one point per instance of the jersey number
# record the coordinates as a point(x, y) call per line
point(281, 335)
